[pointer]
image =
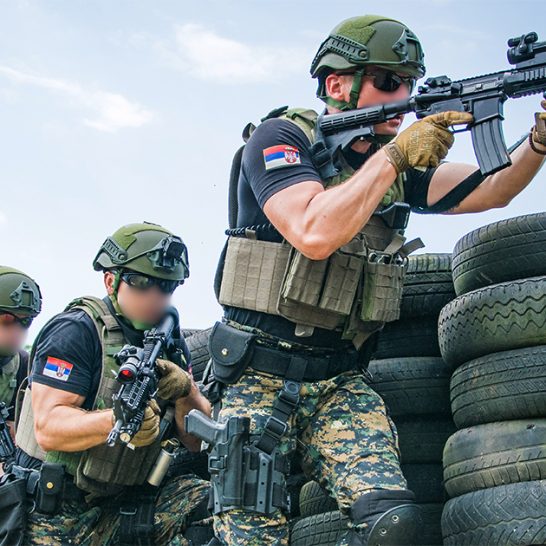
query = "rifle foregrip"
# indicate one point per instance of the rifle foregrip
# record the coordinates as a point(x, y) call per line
point(489, 146)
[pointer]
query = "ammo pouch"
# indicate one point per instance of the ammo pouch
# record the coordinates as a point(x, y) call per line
point(231, 351)
point(382, 289)
point(319, 293)
point(49, 490)
point(13, 510)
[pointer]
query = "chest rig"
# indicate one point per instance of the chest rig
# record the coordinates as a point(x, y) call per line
point(355, 290)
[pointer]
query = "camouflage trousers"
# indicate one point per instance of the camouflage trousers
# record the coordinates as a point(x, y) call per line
point(81, 524)
point(342, 432)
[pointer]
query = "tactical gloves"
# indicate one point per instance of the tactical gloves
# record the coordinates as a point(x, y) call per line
point(426, 142)
point(175, 383)
point(150, 426)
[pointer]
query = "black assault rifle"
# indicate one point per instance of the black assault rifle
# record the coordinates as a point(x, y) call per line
point(482, 96)
point(139, 379)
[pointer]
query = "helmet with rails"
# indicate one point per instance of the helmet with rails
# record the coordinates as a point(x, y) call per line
point(363, 41)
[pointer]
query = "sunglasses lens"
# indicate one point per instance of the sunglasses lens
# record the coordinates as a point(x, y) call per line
point(167, 287)
point(389, 82)
point(143, 282)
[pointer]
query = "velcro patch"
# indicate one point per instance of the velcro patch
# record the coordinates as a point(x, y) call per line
point(281, 156)
point(57, 368)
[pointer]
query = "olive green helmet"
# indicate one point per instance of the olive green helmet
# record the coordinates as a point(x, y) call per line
point(145, 248)
point(367, 40)
point(19, 294)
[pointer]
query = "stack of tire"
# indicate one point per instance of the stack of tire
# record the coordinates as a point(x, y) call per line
point(494, 336)
point(411, 376)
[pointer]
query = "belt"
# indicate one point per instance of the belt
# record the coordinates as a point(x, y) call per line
point(319, 368)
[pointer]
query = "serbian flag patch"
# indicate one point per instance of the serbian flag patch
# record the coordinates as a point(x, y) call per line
point(57, 368)
point(281, 156)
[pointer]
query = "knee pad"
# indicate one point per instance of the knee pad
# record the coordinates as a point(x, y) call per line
point(392, 519)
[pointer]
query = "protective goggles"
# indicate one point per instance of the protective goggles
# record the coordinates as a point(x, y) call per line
point(144, 282)
point(386, 80)
point(8, 318)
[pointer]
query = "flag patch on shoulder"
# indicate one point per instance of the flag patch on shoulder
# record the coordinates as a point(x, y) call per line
point(281, 156)
point(57, 368)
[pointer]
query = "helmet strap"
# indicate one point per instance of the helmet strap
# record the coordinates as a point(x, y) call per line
point(353, 95)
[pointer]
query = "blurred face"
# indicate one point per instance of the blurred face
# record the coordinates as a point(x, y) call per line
point(12, 334)
point(140, 299)
point(379, 86)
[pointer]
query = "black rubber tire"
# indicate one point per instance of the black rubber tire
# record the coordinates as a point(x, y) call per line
point(493, 319)
point(315, 500)
point(501, 386)
point(403, 338)
point(495, 454)
point(412, 386)
point(319, 530)
point(426, 481)
point(422, 439)
point(508, 515)
point(198, 346)
point(187, 332)
point(504, 251)
point(428, 285)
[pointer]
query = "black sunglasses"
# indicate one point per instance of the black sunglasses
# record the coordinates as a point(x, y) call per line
point(386, 80)
point(8, 318)
point(143, 282)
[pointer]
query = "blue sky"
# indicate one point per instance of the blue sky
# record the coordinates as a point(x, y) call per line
point(115, 112)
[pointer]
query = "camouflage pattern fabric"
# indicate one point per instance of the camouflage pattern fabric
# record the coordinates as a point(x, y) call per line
point(342, 431)
point(85, 525)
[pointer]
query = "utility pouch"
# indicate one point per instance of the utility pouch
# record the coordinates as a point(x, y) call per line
point(50, 488)
point(382, 290)
point(231, 351)
point(319, 293)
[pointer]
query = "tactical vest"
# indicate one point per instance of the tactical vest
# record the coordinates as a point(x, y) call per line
point(101, 470)
point(355, 290)
point(8, 379)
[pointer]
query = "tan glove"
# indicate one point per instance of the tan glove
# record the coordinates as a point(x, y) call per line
point(150, 426)
point(175, 383)
point(539, 130)
point(426, 142)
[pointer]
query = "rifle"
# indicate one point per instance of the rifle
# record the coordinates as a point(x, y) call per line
point(482, 96)
point(138, 378)
point(7, 447)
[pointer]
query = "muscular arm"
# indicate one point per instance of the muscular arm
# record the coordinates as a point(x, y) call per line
point(317, 221)
point(496, 191)
point(61, 424)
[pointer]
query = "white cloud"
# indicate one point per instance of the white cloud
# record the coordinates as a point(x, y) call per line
point(112, 111)
point(3, 219)
point(207, 55)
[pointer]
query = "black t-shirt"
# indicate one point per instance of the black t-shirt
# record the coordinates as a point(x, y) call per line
point(276, 157)
point(19, 378)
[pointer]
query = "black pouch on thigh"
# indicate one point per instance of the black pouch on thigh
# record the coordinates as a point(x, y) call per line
point(13, 510)
point(231, 351)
